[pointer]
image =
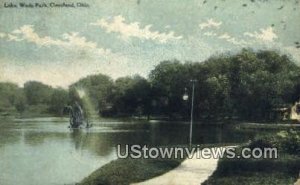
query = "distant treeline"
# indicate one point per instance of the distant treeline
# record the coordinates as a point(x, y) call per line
point(248, 85)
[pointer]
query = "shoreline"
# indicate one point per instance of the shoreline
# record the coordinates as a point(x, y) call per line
point(128, 171)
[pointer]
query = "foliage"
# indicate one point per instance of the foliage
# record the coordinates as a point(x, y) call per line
point(127, 171)
point(37, 93)
point(252, 179)
point(249, 85)
point(131, 96)
point(98, 88)
point(288, 141)
point(11, 97)
point(283, 170)
point(59, 99)
point(261, 143)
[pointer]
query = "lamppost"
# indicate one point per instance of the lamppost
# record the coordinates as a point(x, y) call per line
point(185, 97)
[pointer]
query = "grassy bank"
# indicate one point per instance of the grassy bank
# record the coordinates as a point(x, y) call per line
point(277, 125)
point(281, 171)
point(126, 171)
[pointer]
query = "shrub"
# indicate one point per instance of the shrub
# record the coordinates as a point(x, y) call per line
point(289, 141)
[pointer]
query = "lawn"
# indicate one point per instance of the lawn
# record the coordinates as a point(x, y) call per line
point(281, 171)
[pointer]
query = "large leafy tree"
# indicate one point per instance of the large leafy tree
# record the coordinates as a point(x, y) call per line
point(59, 99)
point(248, 84)
point(10, 96)
point(98, 88)
point(168, 81)
point(37, 93)
point(131, 96)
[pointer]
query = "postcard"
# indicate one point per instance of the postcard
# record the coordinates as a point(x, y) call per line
point(149, 92)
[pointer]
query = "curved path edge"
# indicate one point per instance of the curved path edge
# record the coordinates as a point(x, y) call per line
point(192, 171)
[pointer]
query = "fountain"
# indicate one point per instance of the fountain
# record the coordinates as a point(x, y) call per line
point(79, 117)
point(76, 115)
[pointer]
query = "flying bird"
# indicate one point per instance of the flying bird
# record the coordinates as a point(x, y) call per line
point(244, 5)
point(280, 7)
point(284, 27)
point(204, 1)
point(283, 24)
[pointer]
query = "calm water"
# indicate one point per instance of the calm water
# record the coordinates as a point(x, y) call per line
point(44, 151)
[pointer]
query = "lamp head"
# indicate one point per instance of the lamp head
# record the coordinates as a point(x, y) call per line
point(185, 95)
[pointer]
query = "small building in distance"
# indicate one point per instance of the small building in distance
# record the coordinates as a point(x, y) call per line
point(295, 112)
point(287, 113)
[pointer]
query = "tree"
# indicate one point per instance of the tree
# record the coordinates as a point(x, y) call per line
point(98, 88)
point(37, 93)
point(8, 95)
point(248, 84)
point(59, 99)
point(131, 96)
point(168, 81)
point(20, 101)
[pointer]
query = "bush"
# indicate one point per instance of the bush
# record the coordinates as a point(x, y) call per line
point(261, 143)
point(289, 141)
point(286, 142)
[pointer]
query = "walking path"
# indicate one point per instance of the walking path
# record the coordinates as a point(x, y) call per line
point(190, 172)
point(298, 182)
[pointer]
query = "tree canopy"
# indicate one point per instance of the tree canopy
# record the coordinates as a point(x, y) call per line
point(247, 85)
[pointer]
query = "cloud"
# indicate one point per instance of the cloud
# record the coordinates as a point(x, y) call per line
point(27, 33)
point(266, 34)
point(2, 35)
point(69, 41)
point(127, 30)
point(227, 37)
point(210, 23)
point(233, 40)
point(11, 37)
point(210, 34)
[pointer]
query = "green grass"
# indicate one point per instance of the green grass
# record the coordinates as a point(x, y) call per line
point(281, 171)
point(254, 178)
point(126, 171)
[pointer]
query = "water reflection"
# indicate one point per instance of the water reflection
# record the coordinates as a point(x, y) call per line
point(98, 144)
point(64, 156)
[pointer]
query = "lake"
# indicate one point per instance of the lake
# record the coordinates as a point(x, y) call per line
point(45, 151)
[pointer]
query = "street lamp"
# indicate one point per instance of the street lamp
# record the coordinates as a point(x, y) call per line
point(185, 97)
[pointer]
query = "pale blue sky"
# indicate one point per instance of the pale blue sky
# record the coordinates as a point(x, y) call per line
point(60, 45)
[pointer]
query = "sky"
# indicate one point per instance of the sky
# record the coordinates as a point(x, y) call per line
point(58, 45)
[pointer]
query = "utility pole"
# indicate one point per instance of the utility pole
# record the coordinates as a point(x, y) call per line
point(192, 111)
